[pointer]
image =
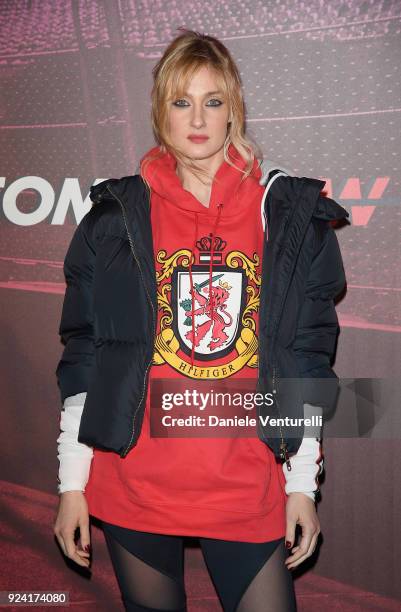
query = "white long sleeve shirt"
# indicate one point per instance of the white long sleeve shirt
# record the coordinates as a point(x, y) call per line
point(75, 458)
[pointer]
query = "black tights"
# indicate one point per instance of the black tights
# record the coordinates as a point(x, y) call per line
point(248, 577)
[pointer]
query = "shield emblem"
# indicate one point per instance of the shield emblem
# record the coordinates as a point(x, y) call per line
point(217, 329)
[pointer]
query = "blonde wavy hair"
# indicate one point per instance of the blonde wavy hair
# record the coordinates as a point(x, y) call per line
point(187, 53)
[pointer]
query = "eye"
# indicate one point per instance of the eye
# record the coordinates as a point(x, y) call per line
point(219, 102)
point(182, 103)
point(176, 103)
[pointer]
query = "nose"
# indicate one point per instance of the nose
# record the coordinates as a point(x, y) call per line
point(197, 119)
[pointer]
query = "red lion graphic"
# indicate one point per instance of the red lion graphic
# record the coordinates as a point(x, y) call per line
point(220, 296)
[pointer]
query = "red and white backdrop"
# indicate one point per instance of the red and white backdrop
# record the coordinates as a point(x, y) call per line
point(323, 95)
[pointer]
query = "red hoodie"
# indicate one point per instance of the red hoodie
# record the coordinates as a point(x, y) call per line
point(230, 488)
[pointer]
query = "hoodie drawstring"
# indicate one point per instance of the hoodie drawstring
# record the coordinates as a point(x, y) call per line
point(211, 300)
point(192, 256)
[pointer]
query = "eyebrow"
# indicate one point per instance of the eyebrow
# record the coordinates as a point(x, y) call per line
point(208, 93)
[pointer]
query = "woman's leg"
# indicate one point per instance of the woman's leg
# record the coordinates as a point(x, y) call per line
point(250, 577)
point(272, 589)
point(148, 568)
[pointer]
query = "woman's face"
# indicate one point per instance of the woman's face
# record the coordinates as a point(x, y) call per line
point(203, 111)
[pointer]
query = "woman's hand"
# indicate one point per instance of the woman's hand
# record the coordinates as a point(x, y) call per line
point(301, 510)
point(73, 513)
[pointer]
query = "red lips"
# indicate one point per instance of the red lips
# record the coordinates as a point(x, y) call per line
point(195, 138)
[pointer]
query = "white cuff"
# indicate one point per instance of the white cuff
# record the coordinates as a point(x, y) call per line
point(74, 457)
point(308, 462)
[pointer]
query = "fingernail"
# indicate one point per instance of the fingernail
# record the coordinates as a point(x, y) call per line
point(288, 544)
point(87, 548)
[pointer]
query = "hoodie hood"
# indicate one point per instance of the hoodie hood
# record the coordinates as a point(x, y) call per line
point(226, 200)
point(227, 188)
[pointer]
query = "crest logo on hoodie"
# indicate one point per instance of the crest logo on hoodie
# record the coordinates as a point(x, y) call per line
point(206, 310)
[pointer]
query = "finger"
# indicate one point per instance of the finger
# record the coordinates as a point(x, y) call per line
point(303, 547)
point(60, 540)
point(301, 559)
point(309, 552)
point(85, 536)
point(72, 550)
point(64, 548)
point(80, 560)
point(290, 532)
point(81, 550)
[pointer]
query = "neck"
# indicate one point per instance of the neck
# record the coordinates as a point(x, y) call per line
point(190, 182)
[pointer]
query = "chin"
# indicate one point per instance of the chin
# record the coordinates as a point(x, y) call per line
point(203, 151)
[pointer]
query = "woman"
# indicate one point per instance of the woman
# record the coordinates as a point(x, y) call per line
point(165, 292)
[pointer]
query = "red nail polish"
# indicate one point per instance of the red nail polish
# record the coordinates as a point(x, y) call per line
point(288, 544)
point(87, 548)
